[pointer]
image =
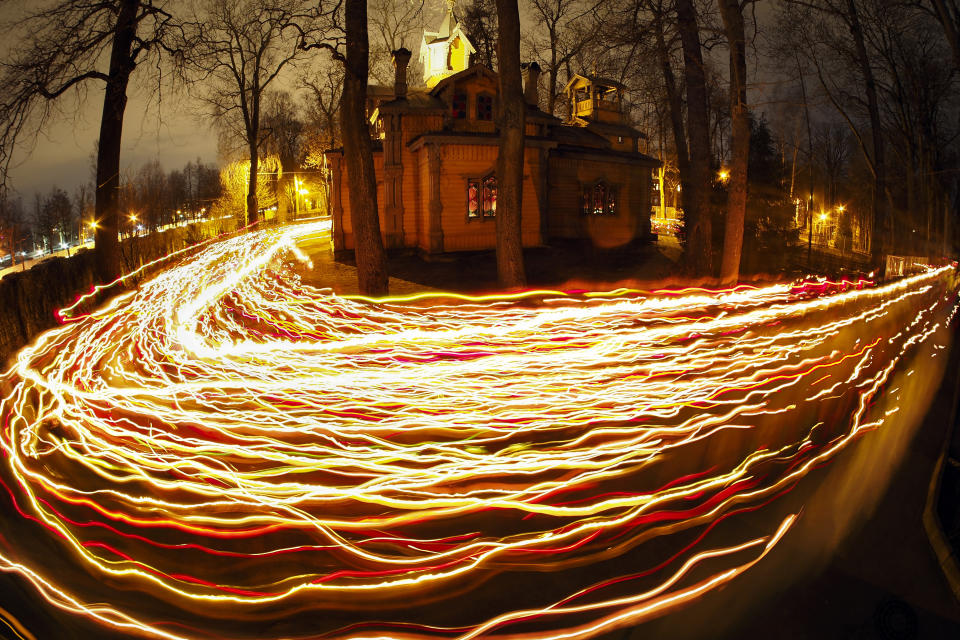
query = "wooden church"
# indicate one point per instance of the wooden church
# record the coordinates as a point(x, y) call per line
point(435, 156)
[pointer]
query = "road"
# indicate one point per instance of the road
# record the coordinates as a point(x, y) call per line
point(28, 264)
point(229, 452)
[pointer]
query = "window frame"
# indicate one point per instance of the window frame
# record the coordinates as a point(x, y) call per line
point(482, 184)
point(610, 199)
point(462, 114)
point(484, 96)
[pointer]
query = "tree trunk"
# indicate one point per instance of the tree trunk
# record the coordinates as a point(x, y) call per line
point(107, 242)
point(675, 101)
point(510, 270)
point(948, 17)
point(552, 76)
point(696, 184)
point(740, 142)
point(881, 215)
point(358, 155)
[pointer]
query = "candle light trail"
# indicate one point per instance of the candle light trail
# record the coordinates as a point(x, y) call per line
point(238, 447)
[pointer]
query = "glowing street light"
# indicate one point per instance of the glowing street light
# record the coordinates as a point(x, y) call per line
point(724, 175)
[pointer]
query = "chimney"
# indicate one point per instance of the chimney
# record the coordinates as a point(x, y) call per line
point(531, 81)
point(401, 58)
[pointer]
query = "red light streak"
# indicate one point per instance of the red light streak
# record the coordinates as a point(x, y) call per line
point(228, 438)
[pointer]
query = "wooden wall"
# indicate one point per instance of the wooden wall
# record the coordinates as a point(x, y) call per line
point(569, 172)
point(558, 194)
point(458, 164)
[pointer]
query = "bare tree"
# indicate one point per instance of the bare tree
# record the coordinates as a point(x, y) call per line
point(948, 15)
point(59, 211)
point(395, 24)
point(240, 48)
point(696, 184)
point(479, 22)
point(832, 145)
point(820, 29)
point(732, 13)
point(55, 50)
point(44, 225)
point(358, 155)
point(323, 109)
point(510, 269)
point(564, 30)
point(13, 227)
point(284, 132)
point(83, 205)
point(323, 115)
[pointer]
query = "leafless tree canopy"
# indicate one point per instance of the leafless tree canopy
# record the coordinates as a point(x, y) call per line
point(54, 51)
point(237, 51)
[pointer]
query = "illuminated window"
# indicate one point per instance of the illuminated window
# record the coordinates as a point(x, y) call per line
point(482, 197)
point(459, 108)
point(473, 198)
point(489, 196)
point(484, 107)
point(600, 199)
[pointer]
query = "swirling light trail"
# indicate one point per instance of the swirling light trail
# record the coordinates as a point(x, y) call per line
point(233, 443)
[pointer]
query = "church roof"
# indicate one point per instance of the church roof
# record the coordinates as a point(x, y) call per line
point(609, 128)
point(592, 79)
point(417, 100)
point(447, 27)
point(473, 70)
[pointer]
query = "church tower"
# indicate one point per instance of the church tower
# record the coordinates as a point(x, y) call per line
point(446, 51)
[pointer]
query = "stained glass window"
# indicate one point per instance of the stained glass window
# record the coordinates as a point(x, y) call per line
point(612, 201)
point(473, 199)
point(599, 198)
point(459, 109)
point(484, 107)
point(482, 197)
point(490, 196)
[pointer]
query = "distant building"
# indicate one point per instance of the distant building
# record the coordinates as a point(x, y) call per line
point(435, 156)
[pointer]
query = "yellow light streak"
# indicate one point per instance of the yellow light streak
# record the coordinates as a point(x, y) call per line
point(227, 438)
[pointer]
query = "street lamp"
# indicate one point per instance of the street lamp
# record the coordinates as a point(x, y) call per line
point(724, 175)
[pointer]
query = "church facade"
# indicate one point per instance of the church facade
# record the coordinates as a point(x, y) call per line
point(435, 156)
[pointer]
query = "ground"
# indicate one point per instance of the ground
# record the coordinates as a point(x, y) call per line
point(649, 392)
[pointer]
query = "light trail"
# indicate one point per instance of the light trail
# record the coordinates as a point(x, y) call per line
point(235, 447)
